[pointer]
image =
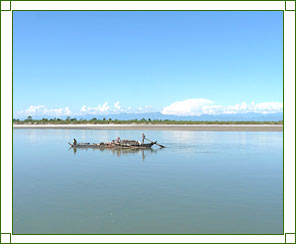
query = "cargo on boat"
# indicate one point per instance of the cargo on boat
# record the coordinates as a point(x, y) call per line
point(118, 143)
point(112, 145)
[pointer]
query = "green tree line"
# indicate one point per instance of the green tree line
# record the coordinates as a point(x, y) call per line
point(105, 120)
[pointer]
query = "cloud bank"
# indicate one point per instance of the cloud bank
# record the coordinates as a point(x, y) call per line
point(188, 107)
point(115, 109)
point(200, 106)
point(43, 110)
point(100, 109)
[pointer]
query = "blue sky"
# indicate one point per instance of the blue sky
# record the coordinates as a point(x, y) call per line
point(175, 62)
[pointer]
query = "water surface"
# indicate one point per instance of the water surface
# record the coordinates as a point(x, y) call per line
point(201, 183)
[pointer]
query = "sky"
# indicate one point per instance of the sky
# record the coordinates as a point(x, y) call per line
point(173, 62)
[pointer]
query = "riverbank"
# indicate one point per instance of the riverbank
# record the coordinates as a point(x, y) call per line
point(171, 127)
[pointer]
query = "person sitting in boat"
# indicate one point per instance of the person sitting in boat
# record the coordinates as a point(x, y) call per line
point(118, 140)
point(74, 142)
point(143, 138)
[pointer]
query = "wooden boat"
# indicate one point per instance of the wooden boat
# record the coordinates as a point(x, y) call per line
point(117, 151)
point(128, 144)
point(123, 144)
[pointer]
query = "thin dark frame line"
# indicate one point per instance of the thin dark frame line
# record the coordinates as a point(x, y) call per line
point(150, 234)
point(283, 121)
point(147, 10)
point(0, 117)
point(12, 117)
point(5, 234)
point(144, 10)
point(155, 0)
point(286, 236)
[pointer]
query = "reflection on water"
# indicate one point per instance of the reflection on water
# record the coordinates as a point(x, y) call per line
point(201, 183)
point(120, 151)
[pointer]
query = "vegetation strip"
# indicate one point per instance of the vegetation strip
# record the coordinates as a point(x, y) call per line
point(104, 121)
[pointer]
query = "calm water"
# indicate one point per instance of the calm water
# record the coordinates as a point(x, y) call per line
point(202, 183)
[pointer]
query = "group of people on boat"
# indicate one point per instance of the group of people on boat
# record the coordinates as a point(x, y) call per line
point(118, 140)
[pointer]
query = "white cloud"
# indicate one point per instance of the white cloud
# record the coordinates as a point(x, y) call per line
point(187, 107)
point(199, 106)
point(100, 109)
point(117, 106)
point(43, 110)
point(270, 107)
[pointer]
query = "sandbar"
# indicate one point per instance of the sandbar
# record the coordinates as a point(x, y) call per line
point(170, 127)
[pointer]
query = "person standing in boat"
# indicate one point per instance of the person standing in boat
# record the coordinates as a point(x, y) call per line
point(143, 138)
point(74, 142)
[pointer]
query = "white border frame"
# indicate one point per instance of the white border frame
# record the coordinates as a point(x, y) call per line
point(289, 119)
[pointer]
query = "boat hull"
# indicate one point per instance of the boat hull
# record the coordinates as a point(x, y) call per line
point(107, 145)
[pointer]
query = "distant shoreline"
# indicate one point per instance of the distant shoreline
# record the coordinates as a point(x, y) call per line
point(171, 127)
